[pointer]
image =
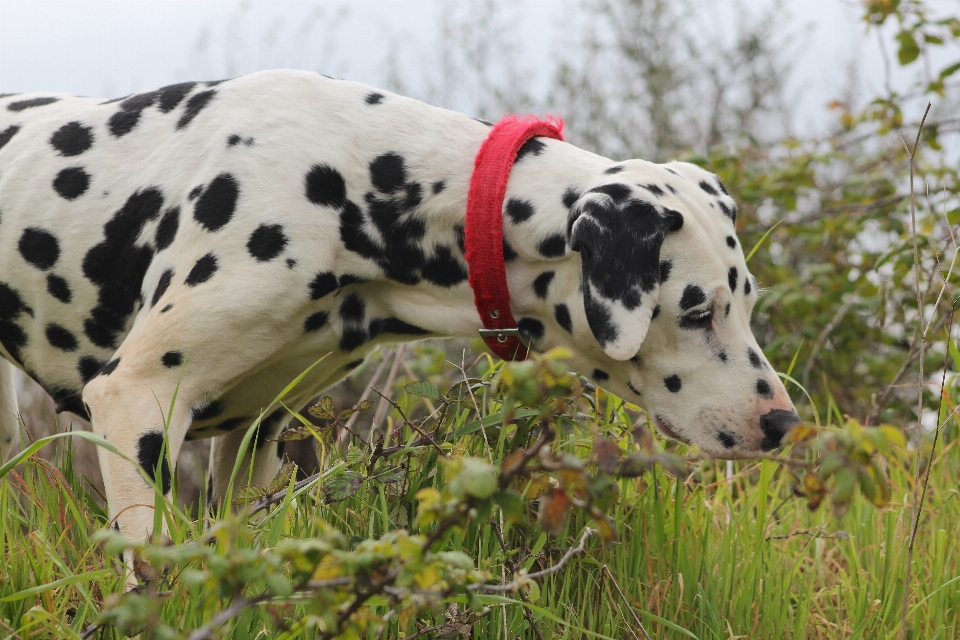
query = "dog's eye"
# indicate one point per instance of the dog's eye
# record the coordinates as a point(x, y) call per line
point(699, 319)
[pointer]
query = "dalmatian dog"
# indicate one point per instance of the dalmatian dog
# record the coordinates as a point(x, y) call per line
point(213, 240)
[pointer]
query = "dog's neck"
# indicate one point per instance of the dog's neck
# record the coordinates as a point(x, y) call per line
point(544, 183)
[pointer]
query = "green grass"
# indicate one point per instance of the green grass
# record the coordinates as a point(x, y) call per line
point(704, 557)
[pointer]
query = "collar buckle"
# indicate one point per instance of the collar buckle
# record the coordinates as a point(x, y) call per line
point(502, 335)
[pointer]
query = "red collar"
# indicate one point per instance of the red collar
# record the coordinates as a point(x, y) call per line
point(483, 233)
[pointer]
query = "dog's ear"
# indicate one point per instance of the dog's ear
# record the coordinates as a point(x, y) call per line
point(618, 236)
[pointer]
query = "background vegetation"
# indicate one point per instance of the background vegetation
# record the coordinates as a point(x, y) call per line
point(857, 309)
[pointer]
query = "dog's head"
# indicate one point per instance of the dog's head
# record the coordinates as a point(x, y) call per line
point(667, 295)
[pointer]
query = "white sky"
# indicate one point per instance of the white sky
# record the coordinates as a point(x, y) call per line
point(112, 48)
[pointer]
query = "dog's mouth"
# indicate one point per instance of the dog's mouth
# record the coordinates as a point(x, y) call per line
point(667, 430)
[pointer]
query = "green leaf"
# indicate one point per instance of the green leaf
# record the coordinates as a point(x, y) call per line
point(389, 475)
point(249, 493)
point(423, 389)
point(282, 480)
point(323, 409)
point(477, 478)
point(343, 486)
point(909, 50)
point(512, 506)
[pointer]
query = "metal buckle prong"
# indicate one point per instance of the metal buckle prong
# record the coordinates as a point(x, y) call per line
point(501, 335)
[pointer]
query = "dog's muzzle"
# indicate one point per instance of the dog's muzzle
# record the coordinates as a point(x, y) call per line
point(775, 424)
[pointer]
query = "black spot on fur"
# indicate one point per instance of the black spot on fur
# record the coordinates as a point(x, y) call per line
point(116, 266)
point(8, 133)
point(530, 147)
point(12, 337)
point(437, 186)
point(553, 246)
point(20, 105)
point(209, 411)
point(374, 98)
point(167, 228)
point(508, 252)
point(171, 359)
point(267, 242)
point(673, 383)
point(727, 440)
point(570, 197)
point(721, 187)
point(730, 212)
point(388, 173)
point(461, 237)
point(233, 140)
point(172, 95)
point(195, 192)
point(202, 271)
point(231, 424)
point(126, 118)
point(541, 285)
point(764, 389)
point(722, 355)
point(394, 326)
point(61, 338)
point(39, 247)
point(443, 268)
point(68, 400)
point(325, 186)
point(149, 453)
point(617, 192)
point(614, 169)
point(110, 367)
point(600, 375)
point(599, 320)
point(315, 321)
point(731, 242)
point(323, 284)
point(58, 288)
point(654, 189)
point(746, 286)
point(709, 188)
point(755, 360)
point(562, 315)
point(674, 219)
point(162, 285)
point(89, 367)
point(732, 278)
point(217, 203)
point(531, 329)
point(291, 263)
point(519, 210)
point(268, 429)
point(196, 102)
point(71, 183)
point(72, 139)
point(665, 267)
point(692, 296)
point(656, 312)
point(351, 312)
point(726, 310)
point(166, 308)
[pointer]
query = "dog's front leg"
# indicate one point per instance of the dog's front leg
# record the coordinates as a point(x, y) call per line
point(128, 411)
point(9, 421)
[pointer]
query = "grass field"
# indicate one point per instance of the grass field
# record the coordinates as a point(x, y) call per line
point(706, 556)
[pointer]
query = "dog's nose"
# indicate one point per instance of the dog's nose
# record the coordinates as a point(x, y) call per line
point(775, 424)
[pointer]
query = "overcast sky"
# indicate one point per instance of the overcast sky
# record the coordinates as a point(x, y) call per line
point(113, 48)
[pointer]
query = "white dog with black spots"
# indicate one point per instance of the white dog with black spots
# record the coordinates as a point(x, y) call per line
point(218, 238)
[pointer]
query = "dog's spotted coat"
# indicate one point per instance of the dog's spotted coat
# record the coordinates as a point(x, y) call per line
point(237, 231)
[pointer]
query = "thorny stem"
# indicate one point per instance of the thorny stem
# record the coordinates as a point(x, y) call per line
point(912, 155)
